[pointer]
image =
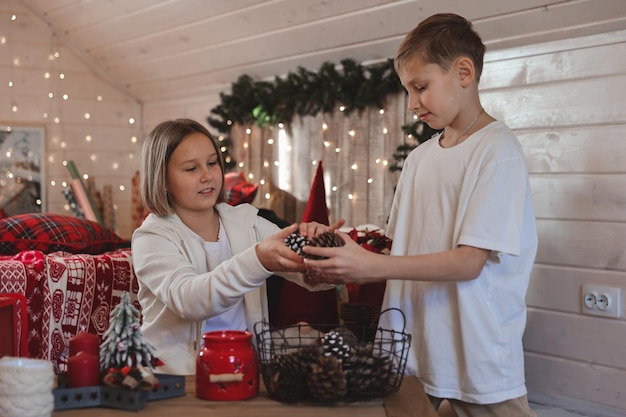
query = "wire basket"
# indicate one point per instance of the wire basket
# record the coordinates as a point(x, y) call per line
point(328, 363)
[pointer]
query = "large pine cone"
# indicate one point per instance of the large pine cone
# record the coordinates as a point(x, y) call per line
point(296, 242)
point(300, 361)
point(291, 372)
point(325, 240)
point(327, 381)
point(288, 386)
point(369, 373)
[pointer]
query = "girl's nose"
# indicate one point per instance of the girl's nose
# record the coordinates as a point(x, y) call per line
point(206, 173)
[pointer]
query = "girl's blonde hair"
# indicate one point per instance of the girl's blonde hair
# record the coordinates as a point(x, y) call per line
point(157, 148)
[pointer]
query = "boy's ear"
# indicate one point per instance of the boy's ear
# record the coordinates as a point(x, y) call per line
point(465, 70)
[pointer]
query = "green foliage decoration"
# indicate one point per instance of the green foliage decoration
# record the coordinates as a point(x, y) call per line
point(304, 93)
point(420, 132)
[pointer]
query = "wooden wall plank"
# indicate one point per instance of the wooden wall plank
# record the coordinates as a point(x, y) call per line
point(580, 197)
point(584, 387)
point(558, 105)
point(577, 149)
point(589, 62)
point(557, 334)
point(583, 244)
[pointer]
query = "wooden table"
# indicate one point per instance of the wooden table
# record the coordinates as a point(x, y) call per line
point(409, 401)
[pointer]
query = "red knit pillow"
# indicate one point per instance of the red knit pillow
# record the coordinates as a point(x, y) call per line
point(49, 232)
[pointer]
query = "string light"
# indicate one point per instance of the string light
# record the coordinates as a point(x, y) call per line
point(331, 147)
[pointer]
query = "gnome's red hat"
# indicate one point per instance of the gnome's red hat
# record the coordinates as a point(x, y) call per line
point(296, 303)
point(316, 209)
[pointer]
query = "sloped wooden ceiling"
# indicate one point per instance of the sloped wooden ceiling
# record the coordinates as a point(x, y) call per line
point(162, 49)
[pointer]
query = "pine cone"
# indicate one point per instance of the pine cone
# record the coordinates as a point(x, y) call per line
point(348, 335)
point(325, 240)
point(291, 371)
point(288, 386)
point(334, 345)
point(327, 381)
point(368, 373)
point(296, 242)
point(300, 361)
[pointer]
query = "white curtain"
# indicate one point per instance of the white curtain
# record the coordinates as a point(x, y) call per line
point(355, 149)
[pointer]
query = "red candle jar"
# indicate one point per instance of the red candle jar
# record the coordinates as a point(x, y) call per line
point(83, 370)
point(227, 366)
point(85, 342)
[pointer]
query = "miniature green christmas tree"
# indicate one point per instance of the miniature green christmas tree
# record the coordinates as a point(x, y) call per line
point(123, 344)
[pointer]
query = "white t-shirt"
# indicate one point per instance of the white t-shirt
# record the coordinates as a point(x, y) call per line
point(466, 336)
point(233, 318)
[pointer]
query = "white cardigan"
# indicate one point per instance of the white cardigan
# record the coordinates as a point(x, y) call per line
point(177, 292)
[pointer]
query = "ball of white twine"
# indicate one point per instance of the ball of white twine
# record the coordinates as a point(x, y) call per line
point(26, 387)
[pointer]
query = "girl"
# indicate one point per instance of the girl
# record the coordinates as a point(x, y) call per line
point(201, 263)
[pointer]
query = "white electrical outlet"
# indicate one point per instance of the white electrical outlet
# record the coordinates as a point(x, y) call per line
point(601, 301)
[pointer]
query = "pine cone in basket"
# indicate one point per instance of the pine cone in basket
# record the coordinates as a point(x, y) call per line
point(291, 371)
point(300, 361)
point(327, 381)
point(288, 386)
point(334, 345)
point(296, 242)
point(369, 373)
point(348, 335)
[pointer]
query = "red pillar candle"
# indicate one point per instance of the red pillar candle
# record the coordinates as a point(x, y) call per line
point(85, 342)
point(83, 370)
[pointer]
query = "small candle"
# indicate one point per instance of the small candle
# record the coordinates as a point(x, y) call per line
point(85, 342)
point(83, 370)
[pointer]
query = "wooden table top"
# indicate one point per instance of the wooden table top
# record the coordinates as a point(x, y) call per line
point(409, 401)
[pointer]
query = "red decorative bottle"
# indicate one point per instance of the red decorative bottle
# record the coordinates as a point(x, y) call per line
point(227, 367)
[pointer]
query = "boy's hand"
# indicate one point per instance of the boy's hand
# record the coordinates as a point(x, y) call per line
point(343, 265)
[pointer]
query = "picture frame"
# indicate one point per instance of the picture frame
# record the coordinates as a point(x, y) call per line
point(22, 170)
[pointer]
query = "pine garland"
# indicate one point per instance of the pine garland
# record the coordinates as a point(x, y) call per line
point(307, 93)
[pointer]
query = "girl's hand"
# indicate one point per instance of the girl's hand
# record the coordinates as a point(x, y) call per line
point(276, 257)
point(312, 229)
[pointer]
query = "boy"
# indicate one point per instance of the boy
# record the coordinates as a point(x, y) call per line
point(463, 229)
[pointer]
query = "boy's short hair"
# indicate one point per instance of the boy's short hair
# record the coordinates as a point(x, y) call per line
point(440, 39)
point(157, 148)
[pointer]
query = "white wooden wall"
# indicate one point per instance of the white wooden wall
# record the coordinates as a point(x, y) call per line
point(109, 155)
point(565, 101)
